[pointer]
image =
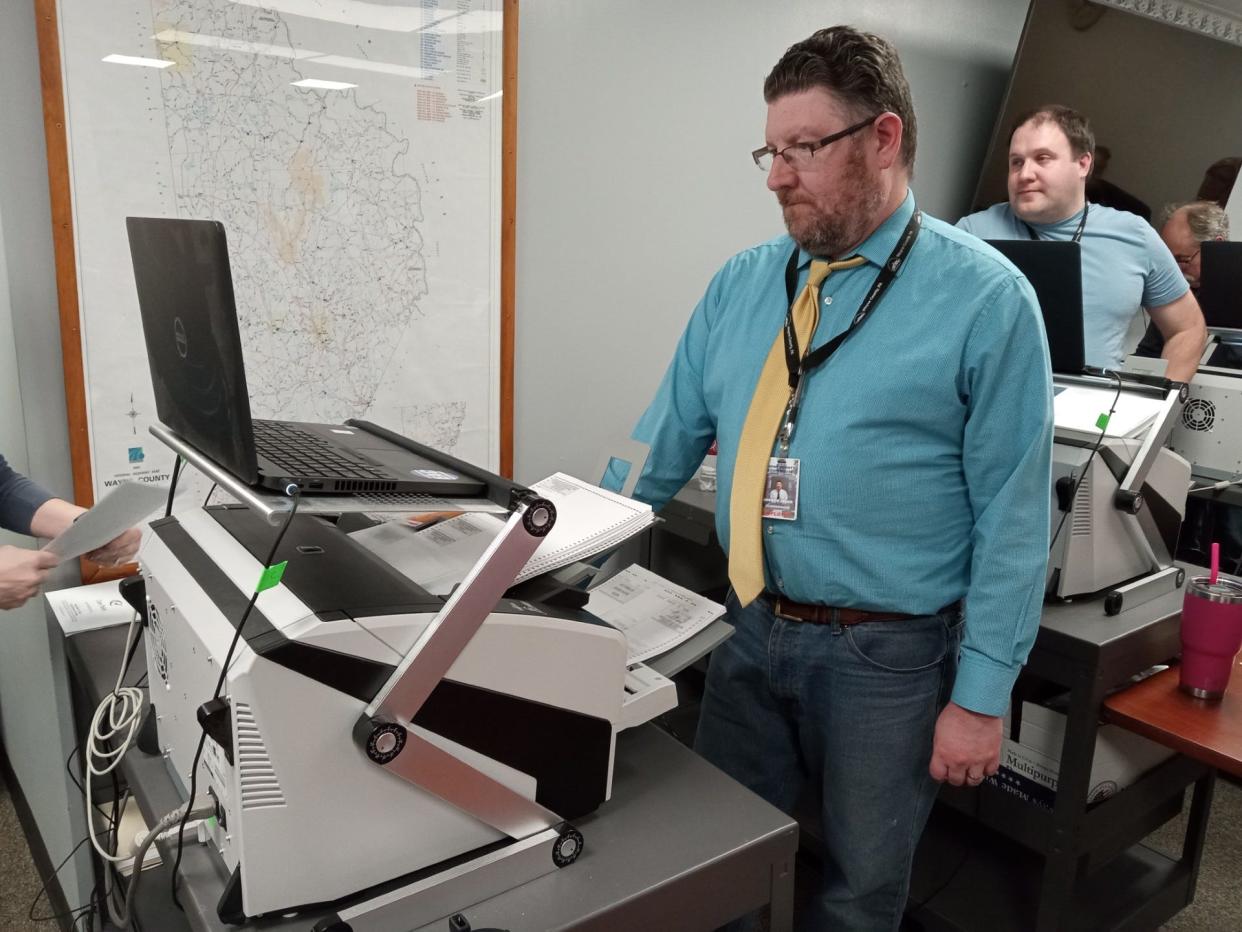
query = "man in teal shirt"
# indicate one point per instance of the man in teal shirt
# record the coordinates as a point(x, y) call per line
point(922, 456)
point(1125, 265)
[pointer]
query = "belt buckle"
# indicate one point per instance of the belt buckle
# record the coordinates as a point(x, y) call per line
point(776, 610)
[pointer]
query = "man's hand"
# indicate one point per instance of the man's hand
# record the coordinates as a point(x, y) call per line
point(22, 573)
point(119, 550)
point(966, 747)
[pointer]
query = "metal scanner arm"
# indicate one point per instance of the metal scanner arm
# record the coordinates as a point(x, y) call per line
point(1128, 497)
point(383, 730)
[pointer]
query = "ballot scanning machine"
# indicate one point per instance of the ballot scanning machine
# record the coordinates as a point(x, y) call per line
point(1118, 492)
point(1209, 433)
point(367, 730)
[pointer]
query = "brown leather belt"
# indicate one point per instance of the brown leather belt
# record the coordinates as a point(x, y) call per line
point(827, 614)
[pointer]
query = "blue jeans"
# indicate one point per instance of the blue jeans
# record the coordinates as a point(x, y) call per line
point(849, 711)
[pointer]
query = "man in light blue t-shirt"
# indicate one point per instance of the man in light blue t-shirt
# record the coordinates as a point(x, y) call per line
point(1125, 264)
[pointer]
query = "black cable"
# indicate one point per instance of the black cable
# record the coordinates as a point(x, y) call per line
point(43, 890)
point(133, 649)
point(69, 770)
point(209, 493)
point(224, 669)
point(172, 486)
point(89, 915)
point(1086, 468)
point(96, 891)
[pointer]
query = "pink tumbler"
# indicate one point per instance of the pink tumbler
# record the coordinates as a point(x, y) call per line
point(1211, 635)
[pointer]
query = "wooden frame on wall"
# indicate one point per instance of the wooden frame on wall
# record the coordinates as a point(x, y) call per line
point(51, 81)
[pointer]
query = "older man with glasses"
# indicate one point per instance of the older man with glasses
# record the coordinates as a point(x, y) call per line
point(1184, 229)
point(891, 372)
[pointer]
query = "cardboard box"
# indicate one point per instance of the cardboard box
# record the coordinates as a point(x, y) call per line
point(1030, 765)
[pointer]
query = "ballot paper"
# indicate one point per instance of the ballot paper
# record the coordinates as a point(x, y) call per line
point(589, 521)
point(124, 507)
point(1078, 409)
point(85, 608)
point(654, 614)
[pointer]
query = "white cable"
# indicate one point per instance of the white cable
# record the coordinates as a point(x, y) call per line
point(140, 838)
point(122, 710)
point(1216, 486)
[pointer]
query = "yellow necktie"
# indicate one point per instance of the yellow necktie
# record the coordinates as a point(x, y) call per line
point(767, 405)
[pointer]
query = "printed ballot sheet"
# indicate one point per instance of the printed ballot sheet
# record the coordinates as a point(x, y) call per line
point(654, 614)
point(438, 557)
point(589, 521)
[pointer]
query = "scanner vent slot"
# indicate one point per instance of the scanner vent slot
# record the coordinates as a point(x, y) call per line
point(1082, 509)
point(260, 787)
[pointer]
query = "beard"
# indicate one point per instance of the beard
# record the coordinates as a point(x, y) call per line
point(831, 231)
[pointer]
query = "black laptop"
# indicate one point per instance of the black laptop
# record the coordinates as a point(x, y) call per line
point(189, 319)
point(1054, 269)
point(1220, 284)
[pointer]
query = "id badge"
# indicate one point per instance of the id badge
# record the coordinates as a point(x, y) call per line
point(780, 491)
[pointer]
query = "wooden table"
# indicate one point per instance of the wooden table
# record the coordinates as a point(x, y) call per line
point(1206, 730)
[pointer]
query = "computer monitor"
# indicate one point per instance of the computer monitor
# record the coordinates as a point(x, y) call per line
point(1054, 269)
point(1220, 284)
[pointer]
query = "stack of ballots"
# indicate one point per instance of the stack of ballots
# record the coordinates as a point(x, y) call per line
point(589, 521)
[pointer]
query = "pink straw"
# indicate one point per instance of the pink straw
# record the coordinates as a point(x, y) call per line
point(1215, 563)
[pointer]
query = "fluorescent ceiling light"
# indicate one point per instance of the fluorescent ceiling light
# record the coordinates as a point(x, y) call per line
point(175, 36)
point(135, 60)
point(323, 85)
point(489, 97)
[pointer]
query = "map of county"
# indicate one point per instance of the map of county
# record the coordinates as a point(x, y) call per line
point(352, 152)
point(324, 221)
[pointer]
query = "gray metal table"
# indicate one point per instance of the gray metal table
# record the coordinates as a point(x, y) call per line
point(679, 845)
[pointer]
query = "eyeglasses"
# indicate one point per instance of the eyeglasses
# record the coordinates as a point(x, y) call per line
point(1186, 260)
point(798, 156)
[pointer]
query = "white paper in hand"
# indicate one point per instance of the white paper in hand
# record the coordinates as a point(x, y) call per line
point(124, 507)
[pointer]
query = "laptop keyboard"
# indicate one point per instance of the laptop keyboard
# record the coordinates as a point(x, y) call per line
point(300, 453)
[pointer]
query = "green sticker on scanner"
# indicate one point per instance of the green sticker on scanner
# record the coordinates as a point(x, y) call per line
point(1102, 421)
point(271, 576)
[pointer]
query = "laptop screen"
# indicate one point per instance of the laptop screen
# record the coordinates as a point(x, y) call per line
point(1054, 269)
point(189, 319)
point(1220, 284)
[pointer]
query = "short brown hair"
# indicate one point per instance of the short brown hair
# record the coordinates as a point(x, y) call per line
point(1075, 126)
point(860, 68)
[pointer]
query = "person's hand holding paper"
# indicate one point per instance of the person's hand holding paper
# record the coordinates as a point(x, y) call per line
point(22, 573)
point(107, 532)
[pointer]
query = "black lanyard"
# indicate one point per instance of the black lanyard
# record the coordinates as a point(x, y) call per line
point(801, 366)
point(1082, 224)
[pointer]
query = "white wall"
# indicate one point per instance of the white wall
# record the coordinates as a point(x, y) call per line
point(635, 124)
point(34, 723)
